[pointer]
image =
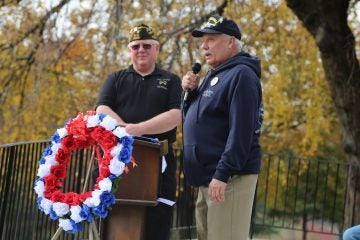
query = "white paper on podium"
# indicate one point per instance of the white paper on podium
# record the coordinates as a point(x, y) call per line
point(163, 165)
point(166, 201)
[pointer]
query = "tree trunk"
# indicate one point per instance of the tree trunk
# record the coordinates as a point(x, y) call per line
point(327, 23)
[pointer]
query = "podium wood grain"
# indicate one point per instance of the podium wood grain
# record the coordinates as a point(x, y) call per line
point(125, 222)
point(137, 189)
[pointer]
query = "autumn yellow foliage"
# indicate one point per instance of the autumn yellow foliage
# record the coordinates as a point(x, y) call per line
point(51, 68)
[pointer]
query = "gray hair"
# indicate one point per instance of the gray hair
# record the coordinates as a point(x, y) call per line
point(239, 44)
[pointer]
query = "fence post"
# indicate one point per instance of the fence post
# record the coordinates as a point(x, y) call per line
point(304, 227)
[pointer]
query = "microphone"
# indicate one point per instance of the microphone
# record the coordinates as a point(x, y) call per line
point(196, 67)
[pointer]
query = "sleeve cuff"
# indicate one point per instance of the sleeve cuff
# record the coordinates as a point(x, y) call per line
point(221, 175)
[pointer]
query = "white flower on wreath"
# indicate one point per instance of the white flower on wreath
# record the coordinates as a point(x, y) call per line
point(40, 188)
point(75, 214)
point(92, 121)
point(120, 132)
point(116, 167)
point(105, 184)
point(61, 209)
point(108, 123)
point(44, 170)
point(62, 132)
point(65, 224)
point(46, 205)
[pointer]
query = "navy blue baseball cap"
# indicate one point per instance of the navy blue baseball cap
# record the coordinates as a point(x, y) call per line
point(218, 24)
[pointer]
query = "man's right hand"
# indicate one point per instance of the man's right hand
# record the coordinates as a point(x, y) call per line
point(190, 81)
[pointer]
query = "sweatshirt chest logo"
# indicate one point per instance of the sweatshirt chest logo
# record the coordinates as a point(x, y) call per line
point(214, 81)
point(208, 93)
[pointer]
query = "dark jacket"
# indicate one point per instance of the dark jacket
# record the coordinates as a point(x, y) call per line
point(222, 122)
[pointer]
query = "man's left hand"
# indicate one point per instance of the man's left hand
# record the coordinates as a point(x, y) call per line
point(134, 129)
point(216, 190)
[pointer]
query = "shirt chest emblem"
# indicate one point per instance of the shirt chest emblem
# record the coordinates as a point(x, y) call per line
point(163, 83)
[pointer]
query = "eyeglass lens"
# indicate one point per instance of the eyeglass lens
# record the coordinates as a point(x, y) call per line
point(145, 46)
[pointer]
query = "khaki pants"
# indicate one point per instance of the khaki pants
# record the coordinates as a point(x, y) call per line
point(228, 220)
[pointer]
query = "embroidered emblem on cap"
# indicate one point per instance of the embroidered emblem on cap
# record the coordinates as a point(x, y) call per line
point(212, 22)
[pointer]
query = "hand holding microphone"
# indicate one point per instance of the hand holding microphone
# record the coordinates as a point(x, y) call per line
point(191, 80)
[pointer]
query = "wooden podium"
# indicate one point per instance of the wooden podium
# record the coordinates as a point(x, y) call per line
point(137, 189)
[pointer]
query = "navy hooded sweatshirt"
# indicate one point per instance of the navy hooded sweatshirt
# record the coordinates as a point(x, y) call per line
point(222, 122)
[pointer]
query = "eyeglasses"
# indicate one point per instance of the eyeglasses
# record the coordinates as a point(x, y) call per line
point(145, 46)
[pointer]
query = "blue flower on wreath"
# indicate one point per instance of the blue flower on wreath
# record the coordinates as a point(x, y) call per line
point(85, 213)
point(38, 201)
point(101, 211)
point(53, 215)
point(56, 138)
point(125, 155)
point(112, 177)
point(127, 141)
point(76, 227)
point(47, 151)
point(107, 198)
point(42, 161)
point(102, 116)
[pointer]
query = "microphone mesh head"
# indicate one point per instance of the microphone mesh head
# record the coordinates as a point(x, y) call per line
point(196, 67)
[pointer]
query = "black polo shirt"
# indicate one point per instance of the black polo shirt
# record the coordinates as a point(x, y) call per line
point(136, 98)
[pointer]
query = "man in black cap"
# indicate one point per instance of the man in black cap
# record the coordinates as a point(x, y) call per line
point(222, 124)
point(146, 100)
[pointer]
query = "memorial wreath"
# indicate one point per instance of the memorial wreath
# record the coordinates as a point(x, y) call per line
point(115, 153)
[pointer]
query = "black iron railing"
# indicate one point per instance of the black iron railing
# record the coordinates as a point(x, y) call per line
point(304, 195)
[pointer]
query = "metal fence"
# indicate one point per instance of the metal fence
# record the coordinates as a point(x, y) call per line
point(304, 195)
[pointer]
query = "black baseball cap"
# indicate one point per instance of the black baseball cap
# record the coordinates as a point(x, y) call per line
point(218, 24)
point(141, 32)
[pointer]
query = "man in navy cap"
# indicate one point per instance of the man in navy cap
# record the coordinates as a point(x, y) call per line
point(222, 127)
point(146, 100)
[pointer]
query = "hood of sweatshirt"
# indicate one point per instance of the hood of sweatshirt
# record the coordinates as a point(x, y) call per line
point(241, 58)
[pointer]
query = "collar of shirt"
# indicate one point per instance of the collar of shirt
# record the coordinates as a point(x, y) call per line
point(154, 73)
